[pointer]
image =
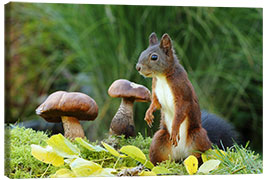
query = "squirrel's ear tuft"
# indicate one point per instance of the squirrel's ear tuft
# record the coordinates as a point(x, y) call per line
point(153, 39)
point(166, 43)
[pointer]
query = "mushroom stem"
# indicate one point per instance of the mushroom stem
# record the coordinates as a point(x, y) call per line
point(127, 107)
point(72, 127)
point(122, 122)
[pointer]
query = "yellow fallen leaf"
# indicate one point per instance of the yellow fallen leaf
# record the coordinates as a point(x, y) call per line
point(209, 166)
point(146, 173)
point(63, 146)
point(161, 170)
point(63, 173)
point(112, 150)
point(212, 154)
point(135, 153)
point(46, 155)
point(105, 172)
point(191, 164)
point(204, 157)
point(84, 168)
point(89, 146)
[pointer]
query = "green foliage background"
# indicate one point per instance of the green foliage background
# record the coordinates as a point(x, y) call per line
point(84, 48)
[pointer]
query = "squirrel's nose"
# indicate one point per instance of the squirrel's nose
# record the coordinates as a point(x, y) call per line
point(138, 67)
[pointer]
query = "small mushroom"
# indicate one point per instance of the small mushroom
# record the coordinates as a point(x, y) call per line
point(122, 122)
point(69, 107)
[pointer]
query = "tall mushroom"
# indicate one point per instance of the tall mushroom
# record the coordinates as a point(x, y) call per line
point(122, 122)
point(69, 107)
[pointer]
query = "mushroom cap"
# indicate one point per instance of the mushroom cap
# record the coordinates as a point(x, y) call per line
point(63, 103)
point(126, 89)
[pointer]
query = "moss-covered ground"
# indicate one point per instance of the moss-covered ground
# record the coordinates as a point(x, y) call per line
point(19, 163)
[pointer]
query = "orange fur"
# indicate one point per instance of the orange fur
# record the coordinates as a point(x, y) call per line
point(163, 151)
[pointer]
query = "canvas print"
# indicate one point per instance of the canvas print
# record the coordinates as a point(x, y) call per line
point(123, 90)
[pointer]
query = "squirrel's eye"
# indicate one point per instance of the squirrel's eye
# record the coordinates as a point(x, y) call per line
point(154, 57)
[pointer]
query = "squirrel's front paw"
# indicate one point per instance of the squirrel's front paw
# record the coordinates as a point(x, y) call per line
point(174, 138)
point(149, 118)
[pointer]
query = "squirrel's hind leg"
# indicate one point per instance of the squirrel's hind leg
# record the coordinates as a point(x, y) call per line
point(161, 147)
point(201, 142)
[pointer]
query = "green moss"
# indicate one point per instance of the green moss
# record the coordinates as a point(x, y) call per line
point(19, 163)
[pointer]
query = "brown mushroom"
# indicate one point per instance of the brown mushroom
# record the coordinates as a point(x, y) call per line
point(122, 122)
point(69, 107)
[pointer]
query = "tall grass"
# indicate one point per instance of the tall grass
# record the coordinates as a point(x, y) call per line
point(86, 47)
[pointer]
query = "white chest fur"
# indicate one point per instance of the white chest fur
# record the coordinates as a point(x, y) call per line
point(166, 99)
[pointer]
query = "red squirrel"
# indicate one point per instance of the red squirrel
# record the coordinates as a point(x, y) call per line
point(181, 133)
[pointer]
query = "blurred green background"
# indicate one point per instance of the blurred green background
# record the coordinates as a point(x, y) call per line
point(84, 48)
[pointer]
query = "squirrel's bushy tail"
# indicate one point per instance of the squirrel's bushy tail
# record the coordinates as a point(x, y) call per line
point(219, 131)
